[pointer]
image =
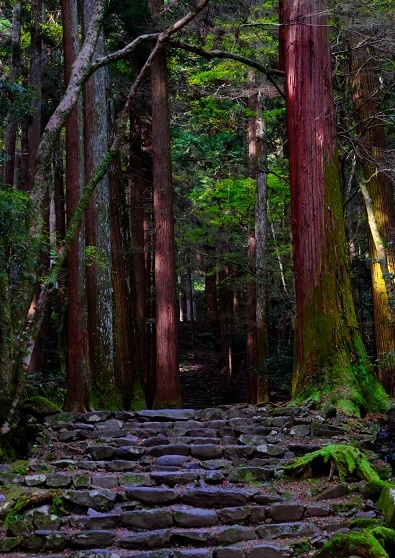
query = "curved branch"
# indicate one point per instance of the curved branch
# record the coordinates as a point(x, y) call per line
point(211, 54)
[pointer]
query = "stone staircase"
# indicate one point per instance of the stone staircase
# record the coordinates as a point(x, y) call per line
point(181, 483)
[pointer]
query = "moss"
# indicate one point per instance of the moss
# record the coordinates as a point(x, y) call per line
point(349, 544)
point(364, 523)
point(39, 406)
point(347, 460)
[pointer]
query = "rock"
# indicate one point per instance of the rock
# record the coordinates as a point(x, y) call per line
point(147, 519)
point(207, 451)
point(93, 539)
point(285, 512)
point(136, 479)
point(386, 503)
point(234, 452)
point(231, 534)
point(94, 553)
point(150, 495)
point(258, 514)
point(167, 414)
point(148, 539)
point(215, 464)
point(170, 449)
point(35, 480)
point(292, 529)
point(228, 552)
point(97, 499)
point(268, 551)
point(335, 492)
point(96, 416)
point(97, 522)
point(194, 517)
point(58, 480)
point(234, 515)
point(212, 477)
point(38, 406)
point(52, 540)
point(120, 465)
point(317, 511)
point(192, 553)
point(131, 453)
point(171, 460)
point(101, 452)
point(173, 478)
point(190, 536)
point(104, 481)
point(250, 475)
point(212, 497)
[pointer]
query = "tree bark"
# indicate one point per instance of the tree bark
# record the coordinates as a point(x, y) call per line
point(379, 203)
point(97, 233)
point(168, 390)
point(331, 366)
point(78, 371)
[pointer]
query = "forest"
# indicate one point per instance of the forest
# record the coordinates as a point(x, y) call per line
point(201, 174)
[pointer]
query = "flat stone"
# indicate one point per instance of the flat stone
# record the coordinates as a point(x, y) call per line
point(268, 498)
point(302, 449)
point(201, 433)
point(301, 430)
point(214, 497)
point(212, 477)
point(171, 460)
point(52, 540)
point(136, 479)
point(285, 512)
point(150, 495)
point(228, 552)
point(31, 543)
point(96, 416)
point(111, 428)
point(315, 510)
point(293, 529)
point(271, 450)
point(131, 453)
point(129, 440)
point(215, 464)
point(95, 553)
point(205, 451)
point(268, 551)
point(43, 521)
point(147, 519)
point(171, 479)
point(193, 553)
point(120, 465)
point(158, 440)
point(234, 515)
point(167, 414)
point(194, 517)
point(147, 539)
point(93, 538)
point(170, 449)
point(250, 474)
point(97, 499)
point(21, 527)
point(323, 430)
point(231, 534)
point(105, 481)
point(233, 452)
point(249, 440)
point(58, 480)
point(282, 421)
point(190, 536)
point(336, 492)
point(35, 480)
point(82, 480)
point(11, 478)
point(101, 452)
point(99, 521)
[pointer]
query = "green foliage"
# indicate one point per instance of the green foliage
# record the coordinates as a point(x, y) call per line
point(14, 210)
point(16, 97)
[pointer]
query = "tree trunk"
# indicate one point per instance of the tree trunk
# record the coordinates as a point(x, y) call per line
point(331, 366)
point(78, 372)
point(11, 133)
point(168, 390)
point(97, 234)
point(379, 202)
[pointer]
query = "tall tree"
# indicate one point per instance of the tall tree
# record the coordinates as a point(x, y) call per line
point(168, 390)
point(98, 273)
point(78, 371)
point(330, 365)
point(379, 199)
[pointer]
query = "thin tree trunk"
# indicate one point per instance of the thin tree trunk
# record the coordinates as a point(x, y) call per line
point(331, 366)
point(379, 202)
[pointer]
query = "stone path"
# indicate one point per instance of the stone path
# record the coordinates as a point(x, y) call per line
point(182, 483)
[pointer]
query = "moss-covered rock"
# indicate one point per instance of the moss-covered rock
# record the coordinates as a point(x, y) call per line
point(39, 406)
point(368, 543)
point(346, 460)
